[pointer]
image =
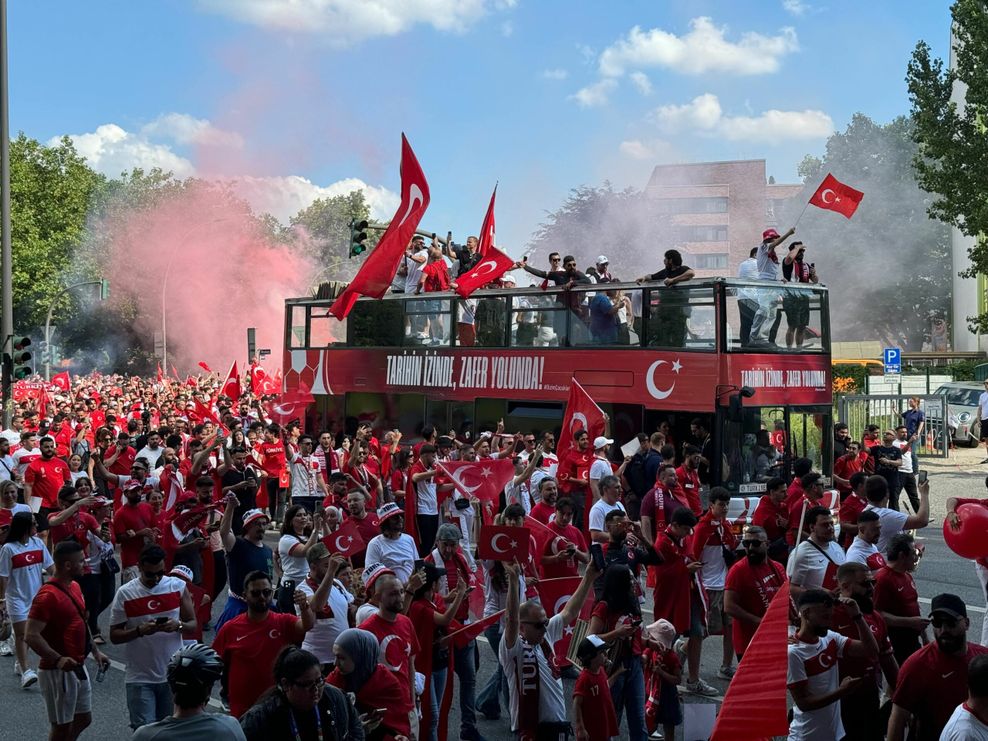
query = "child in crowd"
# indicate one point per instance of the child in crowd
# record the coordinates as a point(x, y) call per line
point(594, 718)
point(663, 673)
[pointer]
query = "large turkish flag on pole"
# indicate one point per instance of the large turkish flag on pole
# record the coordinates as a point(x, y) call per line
point(375, 275)
point(833, 195)
point(231, 386)
point(290, 405)
point(493, 266)
point(487, 229)
point(581, 413)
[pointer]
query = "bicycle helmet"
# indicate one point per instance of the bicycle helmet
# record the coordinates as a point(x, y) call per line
point(194, 664)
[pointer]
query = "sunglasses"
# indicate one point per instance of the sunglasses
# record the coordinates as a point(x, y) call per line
point(940, 621)
point(537, 623)
point(261, 592)
point(752, 543)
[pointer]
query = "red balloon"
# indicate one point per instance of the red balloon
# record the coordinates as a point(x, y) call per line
point(969, 538)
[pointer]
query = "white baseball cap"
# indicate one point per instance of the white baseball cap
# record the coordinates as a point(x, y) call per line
point(182, 572)
point(254, 514)
point(601, 441)
point(388, 510)
point(602, 260)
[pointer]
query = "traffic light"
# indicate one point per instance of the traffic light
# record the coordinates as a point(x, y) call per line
point(358, 235)
point(22, 357)
point(104, 290)
point(45, 353)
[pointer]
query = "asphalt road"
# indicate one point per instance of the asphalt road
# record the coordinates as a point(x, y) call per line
point(962, 474)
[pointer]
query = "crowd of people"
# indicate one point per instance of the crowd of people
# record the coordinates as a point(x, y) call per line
point(608, 316)
point(353, 593)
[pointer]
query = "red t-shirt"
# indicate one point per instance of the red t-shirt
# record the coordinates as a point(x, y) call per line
point(896, 593)
point(543, 512)
point(46, 478)
point(793, 492)
point(65, 630)
point(566, 567)
point(575, 464)
point(931, 684)
point(369, 527)
point(689, 483)
point(249, 650)
point(123, 462)
point(795, 512)
point(398, 644)
point(753, 587)
point(766, 515)
point(381, 690)
point(860, 667)
point(78, 526)
point(850, 508)
point(436, 276)
point(672, 583)
point(274, 458)
point(845, 468)
point(599, 717)
point(132, 517)
point(613, 619)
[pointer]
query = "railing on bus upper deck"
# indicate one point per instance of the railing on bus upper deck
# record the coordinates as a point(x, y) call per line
point(701, 315)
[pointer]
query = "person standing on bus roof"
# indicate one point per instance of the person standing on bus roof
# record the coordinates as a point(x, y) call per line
point(768, 300)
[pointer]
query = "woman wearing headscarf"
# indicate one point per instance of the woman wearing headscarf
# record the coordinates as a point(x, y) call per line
point(382, 703)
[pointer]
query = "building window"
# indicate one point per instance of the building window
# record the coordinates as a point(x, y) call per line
point(714, 205)
point(695, 233)
point(712, 261)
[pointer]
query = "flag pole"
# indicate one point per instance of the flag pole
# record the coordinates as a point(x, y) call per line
point(801, 214)
point(799, 532)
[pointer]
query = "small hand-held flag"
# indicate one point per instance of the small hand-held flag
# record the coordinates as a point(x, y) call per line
point(62, 380)
point(482, 479)
point(503, 543)
point(375, 275)
point(345, 541)
point(833, 195)
point(581, 413)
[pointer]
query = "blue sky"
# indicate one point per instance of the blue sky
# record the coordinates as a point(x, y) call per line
point(302, 98)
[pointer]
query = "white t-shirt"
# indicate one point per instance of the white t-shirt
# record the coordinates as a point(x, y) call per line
point(907, 455)
point(151, 455)
point(305, 472)
point(7, 467)
point(150, 482)
point(415, 270)
point(147, 657)
point(982, 402)
point(295, 568)
point(11, 436)
point(519, 494)
point(495, 601)
point(599, 511)
point(964, 726)
point(23, 457)
point(768, 269)
point(816, 663)
point(860, 551)
point(599, 469)
point(892, 524)
point(426, 502)
point(552, 703)
point(399, 555)
point(23, 565)
point(365, 611)
point(808, 567)
point(321, 638)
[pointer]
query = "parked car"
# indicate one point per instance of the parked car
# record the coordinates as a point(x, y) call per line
point(963, 415)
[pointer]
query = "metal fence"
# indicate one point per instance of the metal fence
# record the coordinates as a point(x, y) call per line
point(859, 411)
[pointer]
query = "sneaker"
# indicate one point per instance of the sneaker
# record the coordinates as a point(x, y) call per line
point(28, 678)
point(699, 687)
point(726, 672)
point(5, 649)
point(656, 735)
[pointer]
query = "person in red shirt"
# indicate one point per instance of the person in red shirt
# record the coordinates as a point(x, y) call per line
point(860, 710)
point(71, 520)
point(659, 503)
point(42, 480)
point(800, 468)
point(118, 460)
point(689, 478)
point(772, 515)
point(845, 467)
point(593, 710)
point(396, 634)
point(933, 681)
point(545, 509)
point(896, 597)
point(812, 490)
point(359, 475)
point(852, 506)
point(566, 547)
point(250, 643)
point(574, 474)
point(56, 631)
point(133, 526)
point(367, 523)
point(750, 586)
point(271, 453)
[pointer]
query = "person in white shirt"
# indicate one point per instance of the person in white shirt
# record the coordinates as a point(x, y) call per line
point(747, 299)
point(969, 721)
point(148, 616)
point(330, 602)
point(8, 467)
point(812, 677)
point(907, 471)
point(519, 489)
point(393, 547)
point(28, 452)
point(768, 298)
point(601, 466)
point(864, 548)
point(813, 564)
point(893, 521)
point(152, 451)
point(610, 493)
point(300, 533)
point(308, 486)
point(13, 434)
point(414, 260)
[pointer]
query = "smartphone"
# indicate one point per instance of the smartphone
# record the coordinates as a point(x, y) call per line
point(161, 620)
point(923, 477)
point(418, 565)
point(597, 554)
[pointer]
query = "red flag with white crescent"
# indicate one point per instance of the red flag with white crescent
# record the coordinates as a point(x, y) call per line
point(493, 265)
point(375, 275)
point(290, 405)
point(231, 386)
point(346, 541)
point(483, 479)
point(503, 543)
point(62, 380)
point(487, 229)
point(582, 413)
point(833, 195)
point(204, 413)
point(202, 364)
point(554, 594)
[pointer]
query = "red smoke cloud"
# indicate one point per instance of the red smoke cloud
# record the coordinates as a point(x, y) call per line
point(219, 270)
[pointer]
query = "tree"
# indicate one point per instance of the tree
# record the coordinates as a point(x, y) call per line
point(953, 146)
point(322, 232)
point(888, 268)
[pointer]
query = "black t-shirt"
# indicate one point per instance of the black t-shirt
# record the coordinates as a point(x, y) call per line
point(889, 473)
point(673, 272)
point(246, 496)
point(634, 558)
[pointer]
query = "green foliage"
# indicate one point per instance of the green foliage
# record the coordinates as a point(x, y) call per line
point(888, 268)
point(322, 231)
point(953, 145)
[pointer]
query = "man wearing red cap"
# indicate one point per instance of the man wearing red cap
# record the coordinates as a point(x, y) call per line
point(768, 300)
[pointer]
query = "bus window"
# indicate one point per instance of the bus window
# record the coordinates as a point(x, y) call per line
point(791, 316)
point(491, 327)
point(325, 329)
point(427, 322)
point(603, 325)
point(377, 324)
point(296, 327)
point(537, 321)
point(681, 318)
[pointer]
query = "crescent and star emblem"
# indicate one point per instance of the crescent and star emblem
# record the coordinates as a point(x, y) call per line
point(414, 194)
point(826, 661)
point(654, 390)
point(28, 557)
point(823, 196)
point(348, 540)
point(494, 545)
point(153, 604)
point(560, 604)
point(457, 476)
point(274, 634)
point(578, 417)
point(487, 266)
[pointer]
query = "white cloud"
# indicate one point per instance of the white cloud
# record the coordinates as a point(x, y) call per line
point(348, 21)
point(795, 7)
point(641, 81)
point(507, 29)
point(704, 115)
point(653, 149)
point(704, 48)
point(112, 150)
point(594, 95)
point(555, 74)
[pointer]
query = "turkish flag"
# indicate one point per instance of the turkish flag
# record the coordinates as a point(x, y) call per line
point(495, 264)
point(483, 479)
point(503, 543)
point(231, 386)
point(261, 383)
point(345, 541)
point(202, 364)
point(581, 413)
point(833, 195)
point(756, 697)
point(554, 594)
point(62, 380)
point(152, 604)
point(159, 374)
point(375, 275)
point(462, 636)
point(487, 229)
point(204, 413)
point(542, 535)
point(290, 405)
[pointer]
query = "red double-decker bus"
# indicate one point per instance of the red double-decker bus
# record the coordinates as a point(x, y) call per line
point(674, 355)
